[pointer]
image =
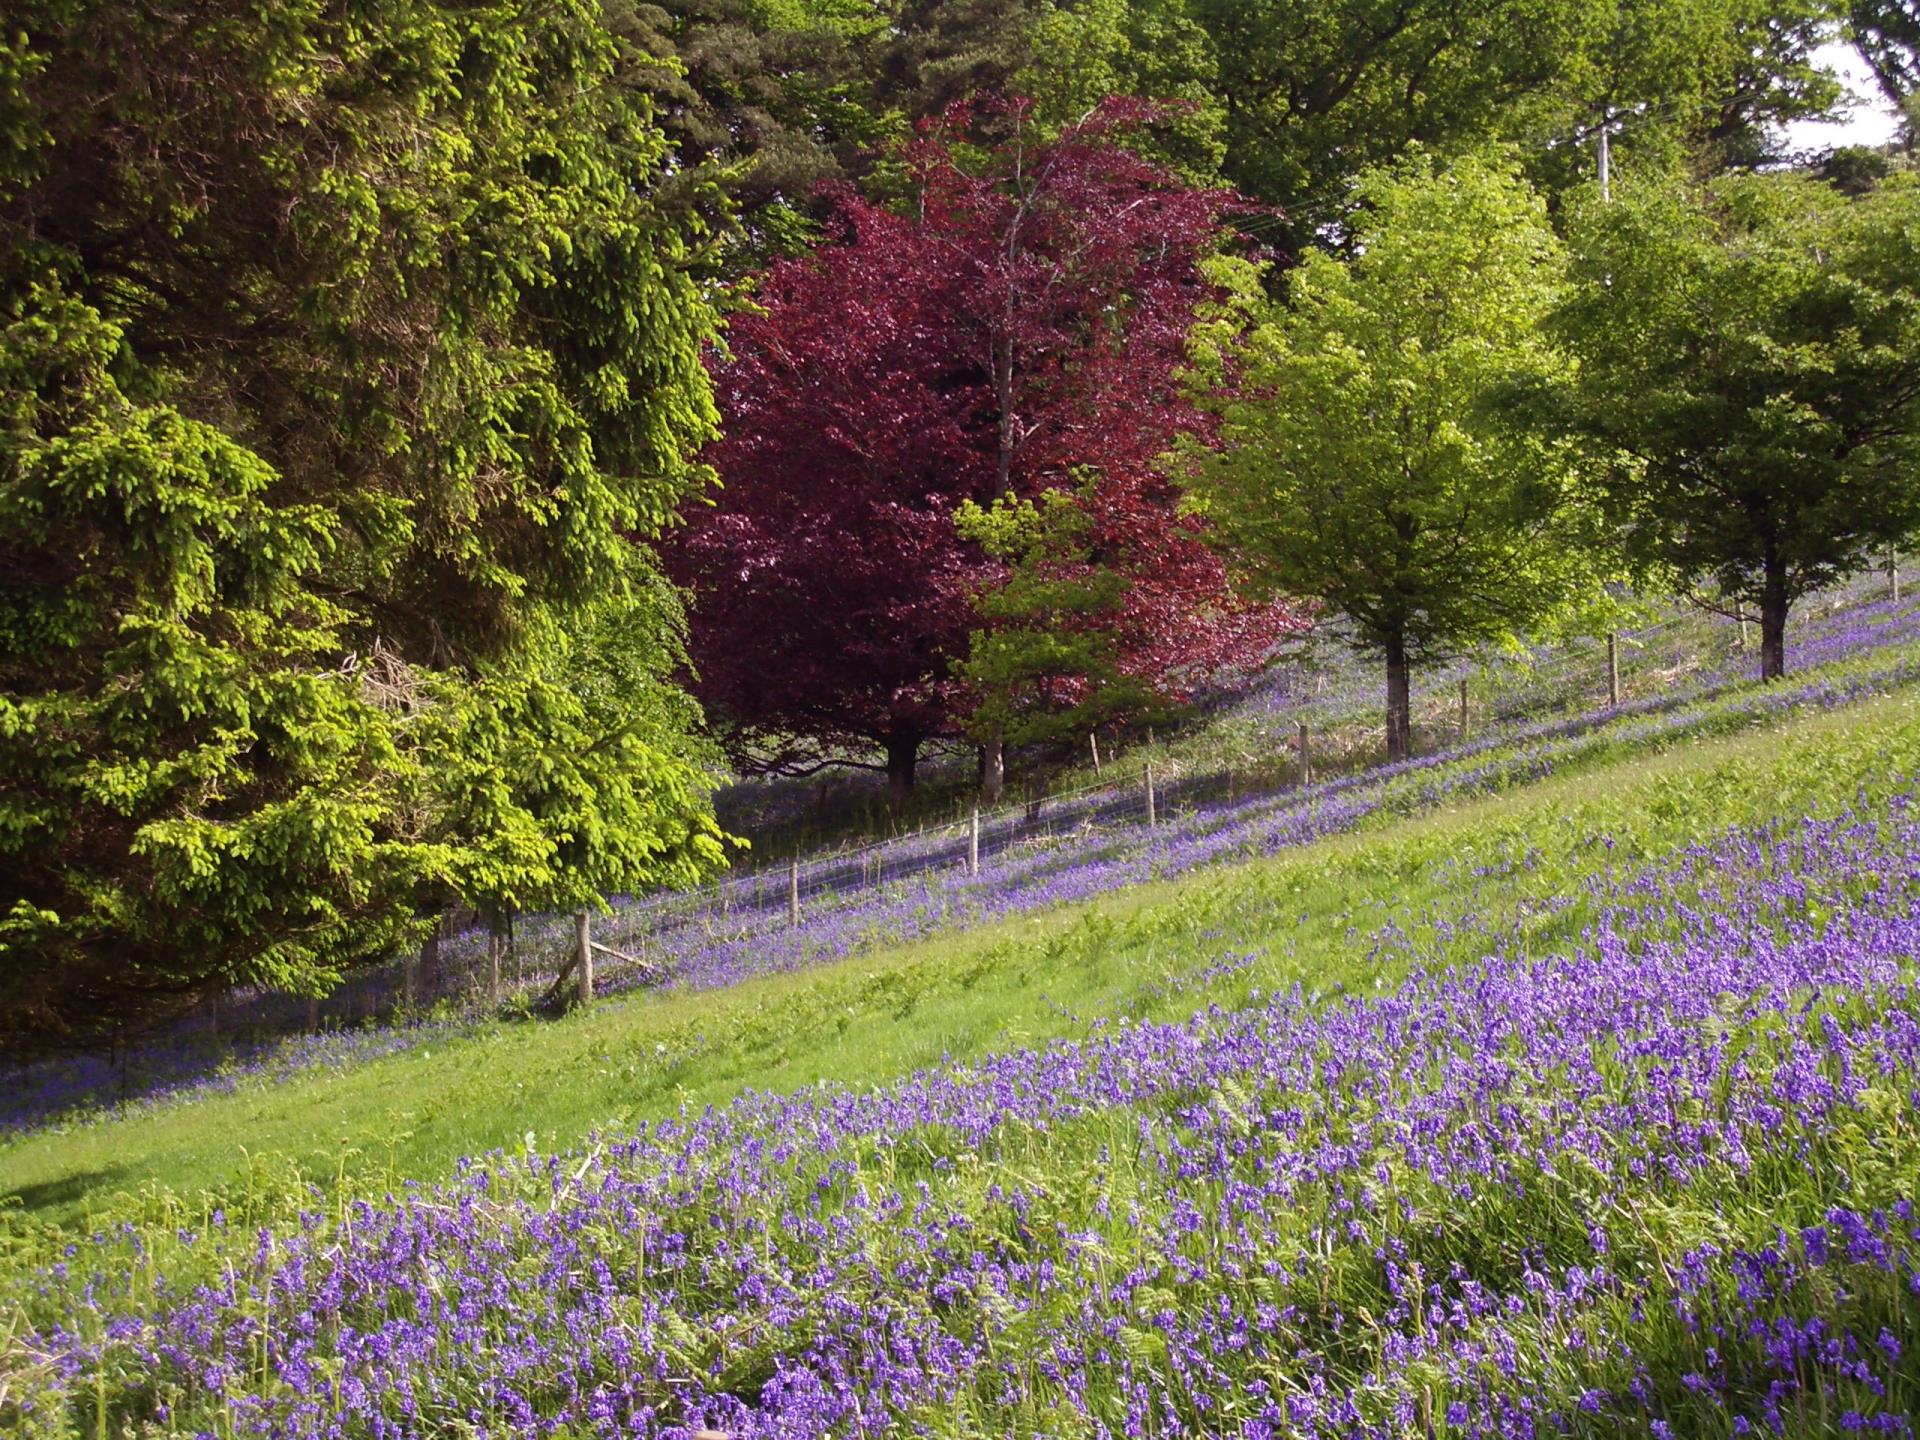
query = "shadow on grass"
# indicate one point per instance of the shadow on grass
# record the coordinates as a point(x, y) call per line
point(65, 1191)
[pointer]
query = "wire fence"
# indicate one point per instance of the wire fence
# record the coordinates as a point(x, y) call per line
point(641, 940)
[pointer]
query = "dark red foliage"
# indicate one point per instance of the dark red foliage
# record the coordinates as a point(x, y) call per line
point(1019, 328)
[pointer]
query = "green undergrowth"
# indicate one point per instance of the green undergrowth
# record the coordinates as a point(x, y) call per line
point(1310, 917)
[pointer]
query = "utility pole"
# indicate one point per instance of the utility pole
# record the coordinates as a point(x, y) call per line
point(1606, 152)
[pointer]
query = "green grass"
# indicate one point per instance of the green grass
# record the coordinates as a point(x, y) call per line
point(1257, 748)
point(1309, 913)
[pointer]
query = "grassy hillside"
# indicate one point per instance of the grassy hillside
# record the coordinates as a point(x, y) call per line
point(1076, 847)
point(368, 1125)
point(1031, 1117)
point(1484, 1009)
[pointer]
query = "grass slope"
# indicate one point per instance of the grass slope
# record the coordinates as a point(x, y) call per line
point(1309, 916)
point(1568, 1112)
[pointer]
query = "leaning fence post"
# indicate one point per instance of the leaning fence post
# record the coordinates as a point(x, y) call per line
point(1306, 758)
point(973, 844)
point(1152, 816)
point(793, 891)
point(583, 942)
point(1613, 668)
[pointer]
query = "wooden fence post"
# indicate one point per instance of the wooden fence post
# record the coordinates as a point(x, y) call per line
point(426, 986)
point(973, 844)
point(1893, 574)
point(1306, 758)
point(1093, 743)
point(1153, 817)
point(583, 947)
point(1613, 668)
point(1463, 709)
point(793, 891)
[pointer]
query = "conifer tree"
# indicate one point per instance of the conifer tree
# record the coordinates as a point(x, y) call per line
point(343, 351)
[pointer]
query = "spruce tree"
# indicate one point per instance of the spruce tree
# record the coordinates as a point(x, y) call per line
point(347, 350)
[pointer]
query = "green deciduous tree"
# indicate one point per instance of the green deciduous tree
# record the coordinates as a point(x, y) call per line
point(1296, 97)
point(1750, 357)
point(1887, 34)
point(1048, 662)
point(1086, 51)
point(1704, 83)
point(1363, 460)
point(347, 348)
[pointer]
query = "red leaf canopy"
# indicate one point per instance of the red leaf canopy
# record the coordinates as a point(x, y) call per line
point(1017, 326)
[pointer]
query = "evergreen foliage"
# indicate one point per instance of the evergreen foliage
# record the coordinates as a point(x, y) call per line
point(1047, 663)
point(774, 97)
point(345, 348)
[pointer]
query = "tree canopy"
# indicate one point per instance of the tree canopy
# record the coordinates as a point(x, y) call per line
point(1750, 364)
point(1364, 458)
point(345, 350)
point(1292, 99)
point(1019, 328)
point(1887, 34)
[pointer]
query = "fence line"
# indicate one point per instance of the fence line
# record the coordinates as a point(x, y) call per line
point(736, 907)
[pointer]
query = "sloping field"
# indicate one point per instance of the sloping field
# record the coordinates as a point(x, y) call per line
point(1072, 849)
point(1587, 1109)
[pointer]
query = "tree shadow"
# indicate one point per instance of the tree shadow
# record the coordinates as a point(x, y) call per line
point(33, 1200)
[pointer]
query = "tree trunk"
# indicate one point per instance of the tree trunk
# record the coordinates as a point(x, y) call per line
point(1399, 702)
point(993, 771)
point(903, 755)
point(1773, 620)
point(496, 949)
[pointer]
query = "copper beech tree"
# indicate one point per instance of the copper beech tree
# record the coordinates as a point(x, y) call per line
point(1016, 325)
